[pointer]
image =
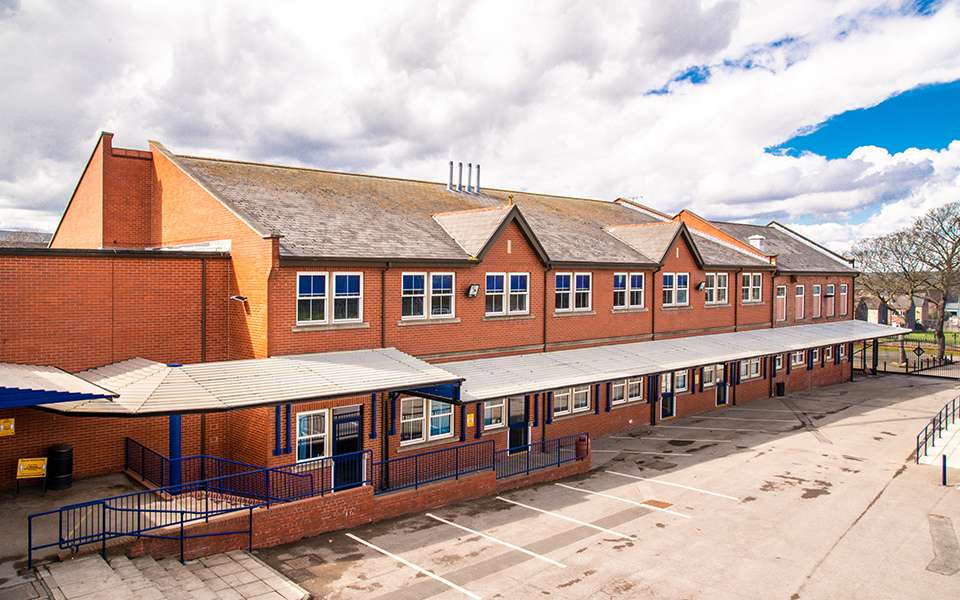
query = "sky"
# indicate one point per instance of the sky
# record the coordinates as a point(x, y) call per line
point(837, 118)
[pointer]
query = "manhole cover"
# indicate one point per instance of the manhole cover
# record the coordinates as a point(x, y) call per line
point(658, 503)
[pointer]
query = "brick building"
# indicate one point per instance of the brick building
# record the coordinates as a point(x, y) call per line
point(222, 304)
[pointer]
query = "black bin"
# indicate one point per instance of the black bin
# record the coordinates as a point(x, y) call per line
point(781, 388)
point(60, 466)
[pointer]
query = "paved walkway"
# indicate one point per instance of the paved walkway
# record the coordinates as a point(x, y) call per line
point(232, 576)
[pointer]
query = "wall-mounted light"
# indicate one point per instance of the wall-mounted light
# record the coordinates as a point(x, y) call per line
point(238, 298)
point(472, 290)
point(701, 285)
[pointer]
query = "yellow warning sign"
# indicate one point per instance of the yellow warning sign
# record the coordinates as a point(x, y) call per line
point(31, 468)
point(6, 427)
point(471, 419)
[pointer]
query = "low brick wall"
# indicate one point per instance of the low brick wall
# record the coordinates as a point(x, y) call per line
point(292, 521)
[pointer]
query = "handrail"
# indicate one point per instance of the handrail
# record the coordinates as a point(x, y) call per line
point(415, 470)
point(136, 514)
point(194, 467)
point(937, 425)
point(522, 460)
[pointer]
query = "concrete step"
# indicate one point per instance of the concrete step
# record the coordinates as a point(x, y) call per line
point(234, 575)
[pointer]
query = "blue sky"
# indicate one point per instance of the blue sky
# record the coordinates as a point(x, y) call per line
point(829, 115)
point(927, 116)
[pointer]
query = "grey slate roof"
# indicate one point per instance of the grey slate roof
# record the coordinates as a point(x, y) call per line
point(332, 215)
point(792, 254)
point(11, 238)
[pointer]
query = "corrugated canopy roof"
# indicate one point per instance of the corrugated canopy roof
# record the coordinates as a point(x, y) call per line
point(30, 385)
point(490, 378)
point(148, 387)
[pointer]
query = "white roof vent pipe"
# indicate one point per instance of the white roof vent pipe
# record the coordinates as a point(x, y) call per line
point(469, 178)
point(450, 180)
point(460, 178)
point(478, 179)
point(757, 241)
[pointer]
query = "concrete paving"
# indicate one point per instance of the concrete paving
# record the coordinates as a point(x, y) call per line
point(816, 495)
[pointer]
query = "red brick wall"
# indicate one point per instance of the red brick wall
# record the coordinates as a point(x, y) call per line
point(127, 189)
point(184, 213)
point(808, 281)
point(81, 225)
point(79, 312)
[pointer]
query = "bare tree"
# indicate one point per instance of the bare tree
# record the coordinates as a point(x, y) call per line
point(890, 269)
point(936, 236)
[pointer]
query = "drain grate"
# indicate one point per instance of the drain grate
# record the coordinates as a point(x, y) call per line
point(658, 503)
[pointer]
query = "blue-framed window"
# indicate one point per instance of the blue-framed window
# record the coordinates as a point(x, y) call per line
point(311, 297)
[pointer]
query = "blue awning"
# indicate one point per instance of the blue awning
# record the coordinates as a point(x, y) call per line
point(31, 385)
point(444, 392)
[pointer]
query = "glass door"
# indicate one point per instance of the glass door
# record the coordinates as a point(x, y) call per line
point(517, 423)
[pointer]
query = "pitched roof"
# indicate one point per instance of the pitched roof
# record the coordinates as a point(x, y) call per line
point(717, 254)
point(325, 214)
point(794, 252)
point(473, 228)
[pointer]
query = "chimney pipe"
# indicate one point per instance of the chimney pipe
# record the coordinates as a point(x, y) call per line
point(450, 180)
point(469, 178)
point(478, 178)
point(460, 182)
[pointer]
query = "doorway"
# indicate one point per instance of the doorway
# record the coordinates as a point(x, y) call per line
point(348, 467)
point(517, 424)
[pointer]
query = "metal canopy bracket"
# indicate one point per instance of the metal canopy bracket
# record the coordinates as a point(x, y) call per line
point(444, 392)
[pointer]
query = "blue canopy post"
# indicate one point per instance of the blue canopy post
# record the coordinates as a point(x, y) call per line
point(174, 447)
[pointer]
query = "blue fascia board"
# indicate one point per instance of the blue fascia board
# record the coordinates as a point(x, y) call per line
point(19, 397)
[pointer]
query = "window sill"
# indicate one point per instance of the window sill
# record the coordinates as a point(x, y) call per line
point(436, 321)
point(629, 404)
point(574, 313)
point(330, 326)
point(632, 309)
point(752, 303)
point(564, 416)
point(717, 305)
point(428, 444)
point(508, 317)
point(678, 307)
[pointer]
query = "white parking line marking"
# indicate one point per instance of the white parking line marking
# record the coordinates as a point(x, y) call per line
point(624, 500)
point(493, 539)
point(643, 452)
point(686, 487)
point(414, 567)
point(663, 439)
point(571, 519)
point(793, 421)
point(716, 428)
point(779, 410)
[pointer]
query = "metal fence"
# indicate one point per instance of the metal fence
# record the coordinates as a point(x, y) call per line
point(538, 455)
point(912, 358)
point(160, 471)
point(945, 417)
point(437, 465)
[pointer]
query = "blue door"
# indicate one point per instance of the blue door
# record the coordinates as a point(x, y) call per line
point(517, 423)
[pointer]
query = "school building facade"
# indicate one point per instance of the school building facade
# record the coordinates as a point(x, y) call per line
point(274, 315)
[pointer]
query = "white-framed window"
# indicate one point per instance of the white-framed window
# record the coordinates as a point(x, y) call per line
point(626, 390)
point(778, 361)
point(311, 435)
point(311, 298)
point(797, 358)
point(828, 353)
point(441, 295)
point(816, 355)
point(413, 420)
point(494, 292)
point(519, 294)
point(635, 389)
point(781, 303)
point(817, 306)
point(831, 299)
point(750, 368)
point(798, 299)
point(507, 294)
point(715, 288)
point(347, 297)
point(413, 295)
point(573, 292)
point(843, 351)
point(628, 290)
point(676, 289)
point(843, 299)
point(710, 375)
point(493, 412)
point(751, 287)
point(571, 400)
point(680, 381)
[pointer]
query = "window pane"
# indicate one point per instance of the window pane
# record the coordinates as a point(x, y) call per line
point(682, 280)
point(620, 281)
point(667, 281)
point(668, 296)
point(619, 298)
point(582, 299)
point(636, 298)
point(518, 302)
point(346, 308)
point(561, 401)
point(413, 284)
point(441, 284)
point(492, 413)
point(583, 282)
point(441, 305)
point(494, 283)
point(562, 300)
point(562, 283)
point(581, 397)
point(494, 304)
point(412, 306)
point(346, 285)
point(682, 296)
point(518, 283)
point(411, 430)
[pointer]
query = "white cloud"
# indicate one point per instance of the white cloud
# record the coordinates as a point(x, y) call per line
point(547, 96)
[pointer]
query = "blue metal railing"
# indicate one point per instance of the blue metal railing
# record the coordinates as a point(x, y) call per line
point(154, 468)
point(944, 418)
point(535, 456)
point(436, 465)
point(137, 514)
